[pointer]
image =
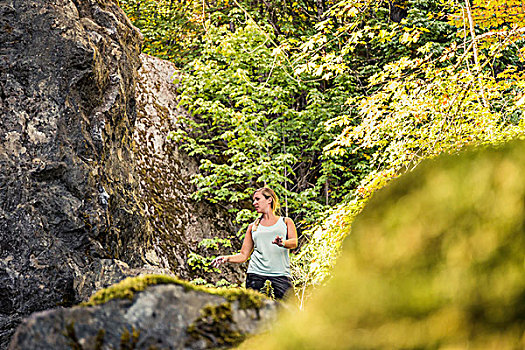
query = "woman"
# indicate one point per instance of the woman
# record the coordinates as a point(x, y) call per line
point(267, 241)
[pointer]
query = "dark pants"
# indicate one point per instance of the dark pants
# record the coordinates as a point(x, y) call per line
point(280, 284)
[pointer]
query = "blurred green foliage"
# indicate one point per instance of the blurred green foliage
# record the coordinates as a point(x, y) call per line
point(435, 261)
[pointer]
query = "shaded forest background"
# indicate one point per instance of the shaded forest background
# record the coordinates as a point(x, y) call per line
point(327, 101)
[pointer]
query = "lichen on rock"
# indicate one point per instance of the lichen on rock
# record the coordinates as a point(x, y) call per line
point(165, 173)
point(67, 94)
point(214, 329)
point(82, 160)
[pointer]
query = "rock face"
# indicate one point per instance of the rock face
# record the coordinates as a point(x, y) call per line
point(166, 316)
point(435, 261)
point(67, 77)
point(178, 223)
point(73, 204)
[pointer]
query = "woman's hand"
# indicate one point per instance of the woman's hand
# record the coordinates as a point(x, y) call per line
point(218, 261)
point(278, 241)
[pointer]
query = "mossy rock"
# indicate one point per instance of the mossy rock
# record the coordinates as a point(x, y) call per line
point(126, 289)
point(151, 311)
point(435, 261)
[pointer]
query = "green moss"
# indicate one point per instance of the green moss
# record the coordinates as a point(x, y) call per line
point(71, 336)
point(128, 341)
point(215, 327)
point(99, 340)
point(267, 289)
point(247, 298)
point(127, 288)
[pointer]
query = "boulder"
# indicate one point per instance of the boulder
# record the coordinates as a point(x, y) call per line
point(77, 208)
point(435, 261)
point(150, 312)
point(67, 98)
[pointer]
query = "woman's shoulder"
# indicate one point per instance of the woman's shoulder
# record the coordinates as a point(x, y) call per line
point(253, 226)
point(287, 220)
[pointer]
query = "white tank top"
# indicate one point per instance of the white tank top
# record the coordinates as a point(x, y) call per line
point(269, 259)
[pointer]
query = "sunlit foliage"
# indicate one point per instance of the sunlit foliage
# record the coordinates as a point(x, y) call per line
point(439, 98)
point(250, 124)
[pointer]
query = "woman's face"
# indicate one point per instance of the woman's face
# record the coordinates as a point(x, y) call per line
point(261, 203)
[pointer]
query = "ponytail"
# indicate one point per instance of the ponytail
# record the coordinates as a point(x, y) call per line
point(256, 223)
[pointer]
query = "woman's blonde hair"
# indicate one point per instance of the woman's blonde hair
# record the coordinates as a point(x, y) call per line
point(275, 205)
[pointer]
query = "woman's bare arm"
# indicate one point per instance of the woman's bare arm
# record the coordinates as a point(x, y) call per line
point(291, 242)
point(243, 255)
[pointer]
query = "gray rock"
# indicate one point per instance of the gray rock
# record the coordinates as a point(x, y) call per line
point(67, 77)
point(168, 316)
point(103, 273)
point(165, 173)
point(74, 213)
